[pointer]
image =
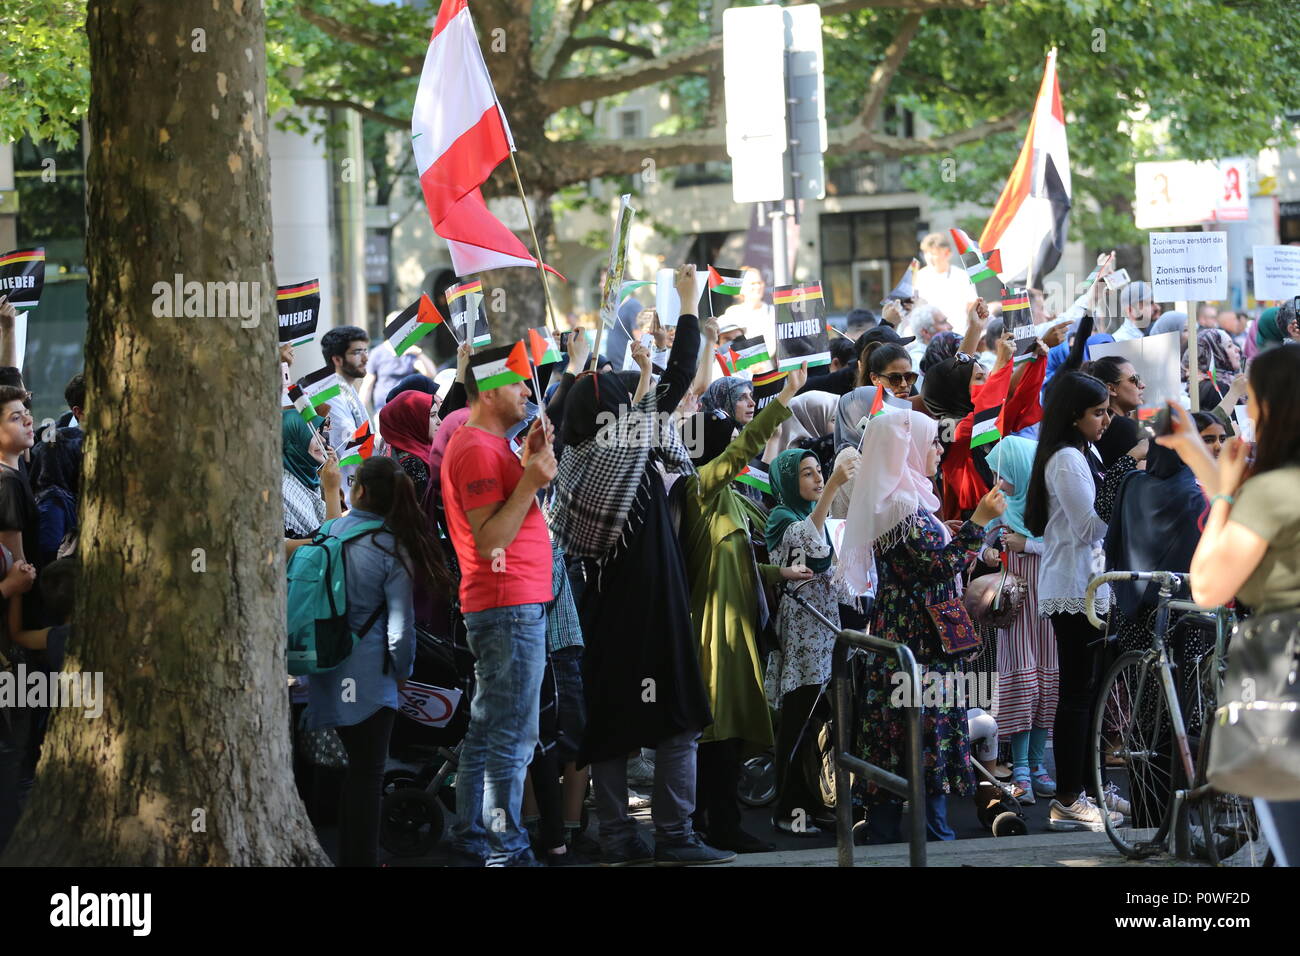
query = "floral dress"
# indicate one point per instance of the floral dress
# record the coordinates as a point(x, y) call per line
point(806, 643)
point(920, 569)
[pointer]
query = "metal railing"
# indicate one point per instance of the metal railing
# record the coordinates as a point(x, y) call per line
point(913, 787)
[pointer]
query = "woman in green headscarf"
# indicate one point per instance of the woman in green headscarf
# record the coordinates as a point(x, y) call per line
point(1268, 331)
point(796, 536)
point(305, 507)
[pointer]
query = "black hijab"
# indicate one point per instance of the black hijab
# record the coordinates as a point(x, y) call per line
point(1155, 525)
point(946, 389)
point(590, 395)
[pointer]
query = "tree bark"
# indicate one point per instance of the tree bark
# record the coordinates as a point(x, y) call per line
point(180, 603)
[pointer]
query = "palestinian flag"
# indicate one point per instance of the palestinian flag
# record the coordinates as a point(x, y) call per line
point(724, 281)
point(755, 478)
point(542, 346)
point(877, 403)
point(505, 365)
point(298, 306)
point(299, 400)
point(413, 323)
point(359, 447)
point(1030, 221)
point(982, 270)
point(750, 352)
point(320, 386)
point(727, 360)
point(986, 430)
point(22, 277)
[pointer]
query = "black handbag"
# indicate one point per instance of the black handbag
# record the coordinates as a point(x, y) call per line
point(1255, 743)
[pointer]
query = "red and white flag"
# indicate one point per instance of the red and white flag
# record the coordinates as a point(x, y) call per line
point(459, 134)
point(1029, 223)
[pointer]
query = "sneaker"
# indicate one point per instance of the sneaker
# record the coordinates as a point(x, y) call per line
point(631, 853)
point(740, 842)
point(1083, 814)
point(1114, 802)
point(640, 771)
point(1022, 788)
point(692, 852)
point(637, 801)
point(1044, 785)
point(786, 825)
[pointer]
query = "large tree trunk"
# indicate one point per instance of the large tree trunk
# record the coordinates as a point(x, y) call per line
point(181, 597)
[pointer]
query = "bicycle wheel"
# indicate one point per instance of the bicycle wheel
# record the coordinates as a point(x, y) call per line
point(1229, 832)
point(1132, 748)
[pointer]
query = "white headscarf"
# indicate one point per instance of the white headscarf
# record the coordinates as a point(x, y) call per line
point(890, 489)
point(812, 415)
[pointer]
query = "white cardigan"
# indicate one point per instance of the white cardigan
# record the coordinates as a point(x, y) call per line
point(1072, 540)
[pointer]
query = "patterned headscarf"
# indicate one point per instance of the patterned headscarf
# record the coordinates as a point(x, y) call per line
point(719, 400)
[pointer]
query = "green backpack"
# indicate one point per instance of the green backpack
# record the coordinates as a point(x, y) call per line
point(319, 637)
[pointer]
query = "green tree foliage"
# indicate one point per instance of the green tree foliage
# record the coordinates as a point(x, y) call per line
point(1140, 79)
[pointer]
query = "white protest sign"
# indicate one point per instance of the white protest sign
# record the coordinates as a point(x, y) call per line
point(426, 704)
point(20, 339)
point(1155, 359)
point(1189, 266)
point(667, 302)
point(1277, 272)
point(1245, 425)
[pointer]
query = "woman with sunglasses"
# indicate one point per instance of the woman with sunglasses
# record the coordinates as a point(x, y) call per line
point(1125, 389)
point(958, 389)
point(890, 367)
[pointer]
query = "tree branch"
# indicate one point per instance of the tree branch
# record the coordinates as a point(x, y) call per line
point(549, 54)
point(574, 44)
point(851, 138)
point(883, 75)
point(366, 111)
point(570, 91)
point(361, 37)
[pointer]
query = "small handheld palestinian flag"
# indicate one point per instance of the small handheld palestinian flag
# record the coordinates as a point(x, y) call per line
point(468, 317)
point(767, 386)
point(986, 429)
point(877, 403)
point(750, 352)
point(801, 326)
point(412, 324)
point(980, 269)
point(299, 400)
point(359, 447)
point(22, 277)
point(298, 306)
point(320, 386)
point(500, 366)
point(725, 281)
point(1018, 319)
point(727, 359)
point(755, 478)
point(543, 347)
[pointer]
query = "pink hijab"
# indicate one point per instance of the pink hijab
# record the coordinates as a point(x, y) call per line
point(889, 491)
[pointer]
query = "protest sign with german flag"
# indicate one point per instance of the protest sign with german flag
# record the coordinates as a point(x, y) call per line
point(298, 306)
point(22, 277)
point(412, 324)
point(1018, 319)
point(801, 326)
point(767, 386)
point(505, 365)
point(468, 317)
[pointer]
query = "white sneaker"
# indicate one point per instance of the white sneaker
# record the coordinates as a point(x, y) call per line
point(1083, 814)
point(1114, 802)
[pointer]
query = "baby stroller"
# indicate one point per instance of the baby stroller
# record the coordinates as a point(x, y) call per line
point(433, 716)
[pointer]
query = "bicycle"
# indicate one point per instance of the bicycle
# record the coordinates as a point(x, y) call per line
point(1139, 734)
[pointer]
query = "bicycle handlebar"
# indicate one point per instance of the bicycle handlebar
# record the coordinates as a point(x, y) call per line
point(1166, 579)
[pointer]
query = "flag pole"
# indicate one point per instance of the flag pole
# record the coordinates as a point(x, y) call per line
point(537, 248)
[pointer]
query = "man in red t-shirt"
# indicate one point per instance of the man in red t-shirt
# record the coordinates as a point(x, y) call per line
point(504, 550)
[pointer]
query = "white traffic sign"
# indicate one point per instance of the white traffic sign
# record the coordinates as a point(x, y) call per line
point(807, 107)
point(753, 69)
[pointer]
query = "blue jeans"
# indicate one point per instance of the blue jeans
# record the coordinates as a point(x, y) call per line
point(884, 820)
point(509, 645)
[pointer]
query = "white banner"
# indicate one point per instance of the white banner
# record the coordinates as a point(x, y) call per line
point(1189, 266)
point(1277, 272)
point(428, 705)
point(1156, 360)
